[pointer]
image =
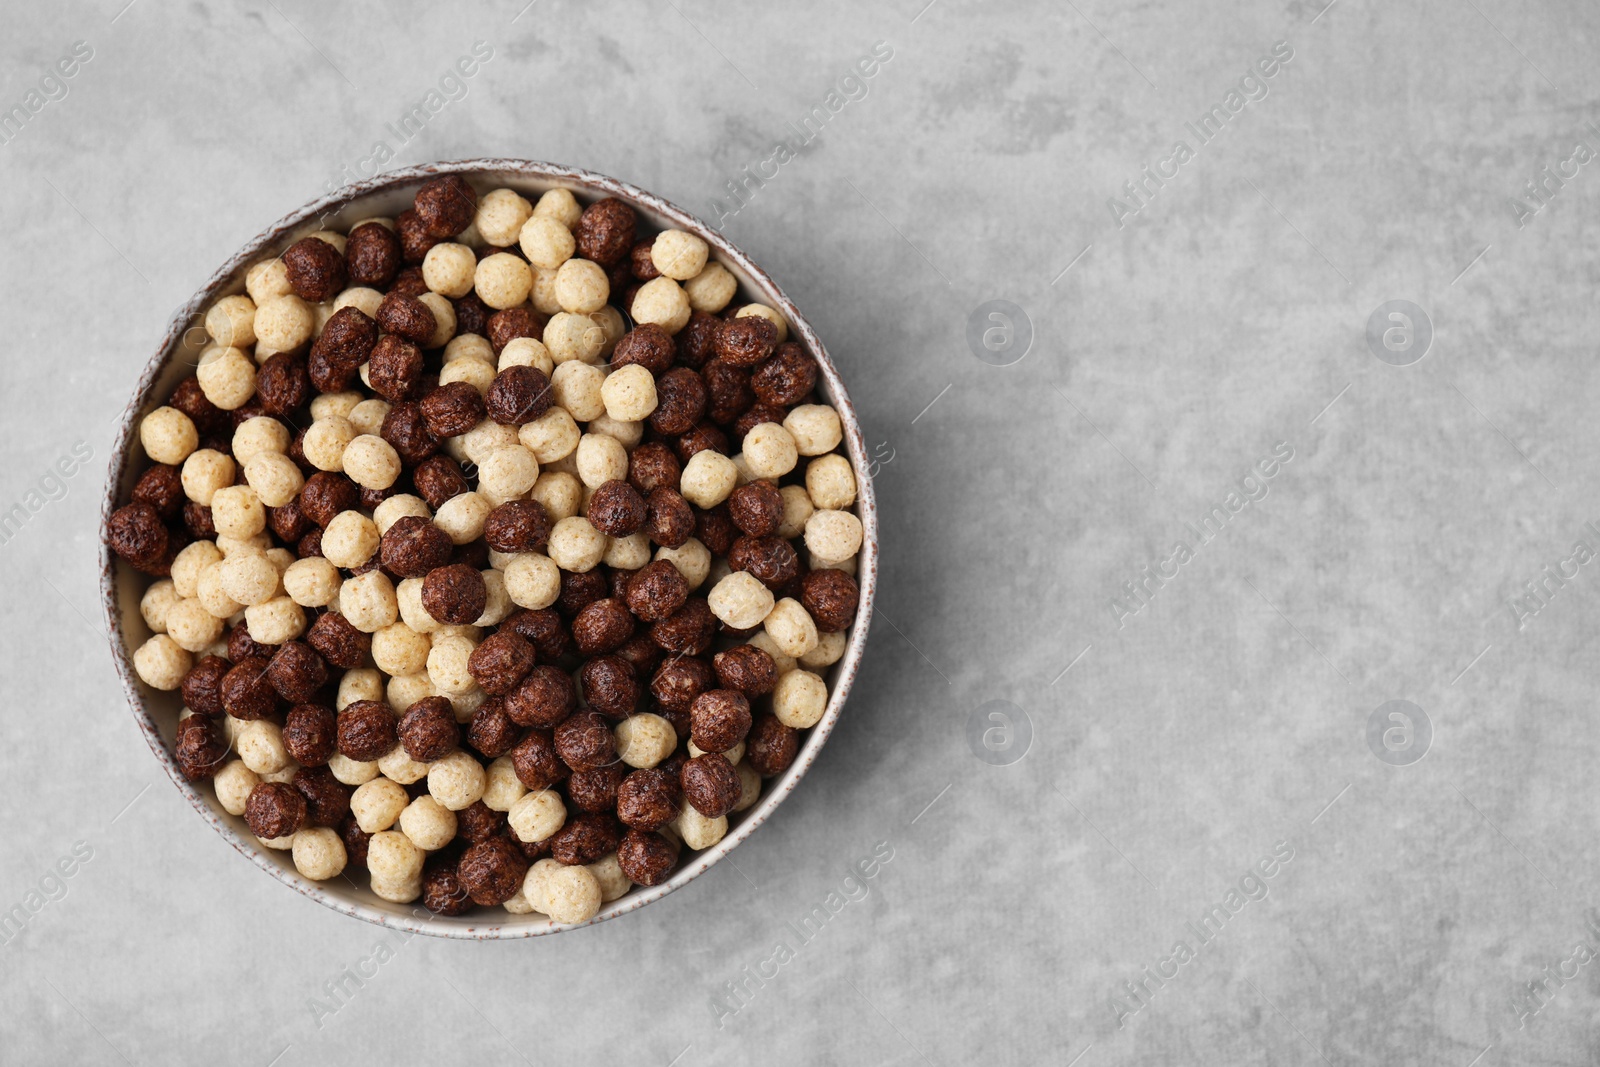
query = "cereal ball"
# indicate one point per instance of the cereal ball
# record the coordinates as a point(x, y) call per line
point(719, 719)
point(710, 786)
point(605, 231)
point(274, 809)
point(526, 352)
point(492, 871)
point(678, 255)
point(815, 429)
point(584, 741)
point(505, 326)
point(492, 732)
point(656, 591)
point(800, 699)
point(608, 872)
point(519, 395)
point(407, 319)
point(445, 206)
point(452, 409)
point(532, 581)
point(797, 509)
point(559, 493)
point(668, 519)
point(581, 287)
point(507, 474)
point(442, 892)
point(791, 628)
point(646, 858)
point(830, 647)
point(462, 517)
point(740, 601)
point(393, 859)
point(315, 270)
point(372, 255)
point(377, 804)
point(786, 377)
point(536, 816)
point(585, 838)
point(500, 662)
point(397, 891)
point(833, 535)
point(708, 478)
point(551, 437)
point(350, 540)
point(394, 370)
point(560, 205)
point(257, 435)
point(296, 671)
point(245, 691)
point(161, 663)
point(260, 745)
point(275, 621)
point(202, 686)
point(282, 324)
point(282, 385)
point(647, 346)
point(830, 597)
point(543, 698)
point(448, 269)
point(503, 281)
point(575, 545)
point(629, 393)
point(578, 388)
point(454, 594)
point(615, 508)
point(168, 435)
point(227, 377)
point(411, 547)
point(338, 353)
point(478, 822)
point(661, 301)
point(698, 831)
point(327, 798)
point(310, 734)
point(397, 764)
point(517, 526)
point(756, 508)
point(502, 788)
point(428, 729)
point(354, 685)
point(234, 784)
point(371, 462)
point(649, 798)
point(447, 664)
point(749, 785)
point(231, 321)
point(274, 477)
point(688, 631)
point(204, 472)
point(745, 669)
point(602, 459)
point(267, 279)
point(711, 289)
point(609, 685)
point(325, 442)
point(366, 730)
point(571, 894)
point(770, 451)
point(457, 780)
point(429, 825)
point(326, 495)
point(745, 342)
point(546, 242)
point(337, 641)
point(500, 217)
point(192, 627)
point(602, 626)
point(763, 311)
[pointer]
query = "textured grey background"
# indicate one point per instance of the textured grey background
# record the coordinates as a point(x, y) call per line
point(1177, 751)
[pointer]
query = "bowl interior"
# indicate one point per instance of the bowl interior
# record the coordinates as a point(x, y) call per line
point(387, 196)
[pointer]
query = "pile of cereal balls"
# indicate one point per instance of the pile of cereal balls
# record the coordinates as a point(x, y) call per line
point(464, 580)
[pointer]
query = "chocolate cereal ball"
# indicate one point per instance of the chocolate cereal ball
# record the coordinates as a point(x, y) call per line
point(536, 763)
point(336, 356)
point(687, 631)
point(452, 409)
point(544, 698)
point(605, 231)
point(500, 662)
point(609, 686)
point(830, 598)
point(545, 630)
point(756, 508)
point(413, 546)
point(616, 508)
point(199, 748)
point(656, 591)
point(602, 626)
point(492, 871)
point(311, 734)
point(372, 255)
point(585, 837)
point(745, 342)
point(274, 810)
point(652, 466)
point(246, 691)
point(511, 323)
point(649, 798)
point(137, 534)
point(678, 681)
point(584, 741)
point(518, 526)
point(325, 495)
point(296, 671)
point(394, 369)
point(786, 377)
point(770, 746)
point(428, 729)
point(438, 479)
point(442, 891)
point(162, 488)
point(315, 269)
point(718, 720)
point(646, 857)
point(745, 669)
point(454, 594)
point(710, 784)
point(202, 686)
point(282, 385)
point(327, 798)
point(338, 642)
point(772, 560)
point(492, 732)
point(518, 395)
point(681, 400)
point(407, 319)
point(596, 789)
point(366, 730)
point(445, 206)
point(669, 521)
point(479, 822)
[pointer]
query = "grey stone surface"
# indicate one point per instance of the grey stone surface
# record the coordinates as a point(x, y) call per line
point(1172, 749)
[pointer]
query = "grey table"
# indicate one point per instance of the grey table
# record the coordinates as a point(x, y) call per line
point(1199, 832)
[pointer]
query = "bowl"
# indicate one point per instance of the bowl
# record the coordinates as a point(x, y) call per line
point(157, 712)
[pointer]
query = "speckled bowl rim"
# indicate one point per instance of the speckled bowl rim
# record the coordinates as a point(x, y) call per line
point(305, 220)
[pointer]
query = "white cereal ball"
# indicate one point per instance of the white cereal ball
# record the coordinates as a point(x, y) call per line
point(552, 436)
point(571, 338)
point(284, 323)
point(208, 590)
point(749, 786)
point(377, 804)
point(361, 298)
point(457, 781)
point(543, 297)
point(398, 649)
point(462, 517)
point(233, 785)
point(275, 478)
point(352, 772)
point(254, 544)
point(159, 599)
point(392, 857)
point(367, 601)
point(312, 582)
point(629, 393)
point(325, 442)
point(332, 237)
point(444, 319)
point(692, 559)
point(767, 313)
point(834, 535)
point(267, 279)
point(168, 435)
point(628, 553)
point(610, 320)
point(526, 352)
point(822, 563)
point(407, 689)
point(517, 904)
point(644, 740)
point(448, 269)
point(814, 427)
point(791, 627)
point(275, 621)
point(497, 601)
point(470, 345)
point(501, 786)
point(698, 831)
point(249, 578)
point(740, 600)
point(475, 372)
point(709, 477)
point(260, 746)
point(161, 663)
point(227, 377)
point(500, 216)
point(484, 438)
point(281, 844)
point(236, 511)
point(400, 891)
point(601, 459)
point(281, 559)
point(546, 242)
point(830, 482)
point(231, 321)
point(361, 683)
point(829, 648)
point(204, 472)
point(797, 508)
point(572, 895)
point(350, 539)
point(371, 462)
point(663, 302)
point(447, 664)
point(560, 493)
point(408, 597)
point(533, 883)
point(318, 853)
point(429, 824)
point(193, 558)
point(367, 417)
point(397, 507)
point(507, 474)
point(582, 286)
point(575, 545)
point(734, 754)
point(678, 255)
point(536, 816)
point(608, 872)
point(770, 451)
point(398, 766)
point(742, 465)
point(258, 435)
point(629, 433)
point(561, 205)
point(799, 699)
point(503, 281)
point(532, 580)
point(192, 626)
point(712, 289)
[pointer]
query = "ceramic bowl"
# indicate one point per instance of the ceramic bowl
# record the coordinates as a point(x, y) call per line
point(387, 195)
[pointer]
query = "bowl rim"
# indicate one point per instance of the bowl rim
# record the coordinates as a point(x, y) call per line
point(419, 920)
